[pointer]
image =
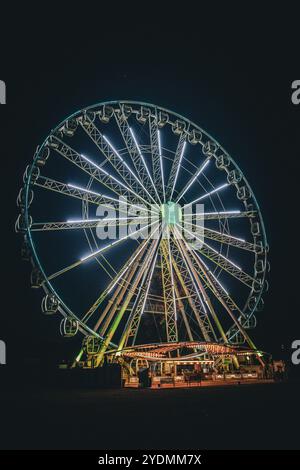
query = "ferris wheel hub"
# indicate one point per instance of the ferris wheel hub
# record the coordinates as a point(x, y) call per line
point(171, 213)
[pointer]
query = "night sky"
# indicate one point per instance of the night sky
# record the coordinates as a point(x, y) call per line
point(233, 79)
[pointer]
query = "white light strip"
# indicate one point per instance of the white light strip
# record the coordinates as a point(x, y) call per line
point(117, 280)
point(218, 233)
point(161, 164)
point(178, 168)
point(128, 266)
point(203, 166)
point(209, 194)
point(116, 219)
point(193, 281)
point(148, 286)
point(172, 280)
point(144, 162)
point(91, 255)
point(211, 248)
point(113, 178)
point(127, 166)
point(226, 235)
point(74, 186)
point(222, 256)
point(212, 274)
point(213, 213)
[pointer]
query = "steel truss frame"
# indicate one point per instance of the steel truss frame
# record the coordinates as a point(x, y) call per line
point(187, 283)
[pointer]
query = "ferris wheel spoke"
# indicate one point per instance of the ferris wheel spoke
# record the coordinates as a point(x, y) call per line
point(208, 194)
point(221, 260)
point(118, 285)
point(199, 289)
point(229, 310)
point(194, 178)
point(85, 224)
point(139, 306)
point(190, 289)
point(76, 192)
point(116, 318)
point(193, 267)
point(132, 325)
point(183, 313)
point(157, 165)
point(86, 195)
point(97, 252)
point(98, 173)
point(213, 283)
point(136, 155)
point(224, 238)
point(114, 158)
point(168, 290)
point(221, 215)
point(176, 166)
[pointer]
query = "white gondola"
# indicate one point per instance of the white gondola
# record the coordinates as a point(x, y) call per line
point(259, 266)
point(35, 173)
point(68, 327)
point(22, 196)
point(105, 114)
point(143, 115)
point(43, 156)
point(36, 278)
point(163, 119)
point(195, 137)
point(52, 143)
point(259, 248)
point(125, 111)
point(254, 303)
point(237, 338)
point(49, 304)
point(255, 229)
point(178, 127)
point(92, 345)
point(21, 226)
point(70, 127)
point(243, 193)
point(234, 177)
point(249, 323)
point(257, 285)
point(209, 148)
point(222, 162)
point(88, 116)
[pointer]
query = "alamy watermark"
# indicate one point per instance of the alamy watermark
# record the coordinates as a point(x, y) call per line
point(138, 221)
point(2, 352)
point(2, 92)
point(296, 353)
point(295, 97)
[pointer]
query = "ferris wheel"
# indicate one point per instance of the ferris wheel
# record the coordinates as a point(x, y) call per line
point(127, 169)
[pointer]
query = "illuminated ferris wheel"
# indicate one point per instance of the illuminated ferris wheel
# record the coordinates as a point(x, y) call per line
point(128, 169)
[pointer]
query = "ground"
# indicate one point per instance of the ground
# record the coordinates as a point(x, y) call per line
point(241, 416)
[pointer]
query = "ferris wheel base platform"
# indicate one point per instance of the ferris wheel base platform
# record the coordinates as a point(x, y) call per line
point(198, 384)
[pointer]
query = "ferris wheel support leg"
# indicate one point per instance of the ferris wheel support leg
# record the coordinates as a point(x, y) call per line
point(133, 322)
point(198, 288)
point(237, 323)
point(122, 311)
point(202, 290)
point(182, 311)
point(169, 292)
point(117, 300)
point(77, 358)
point(181, 275)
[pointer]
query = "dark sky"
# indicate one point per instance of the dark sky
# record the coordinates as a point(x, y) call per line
point(229, 72)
